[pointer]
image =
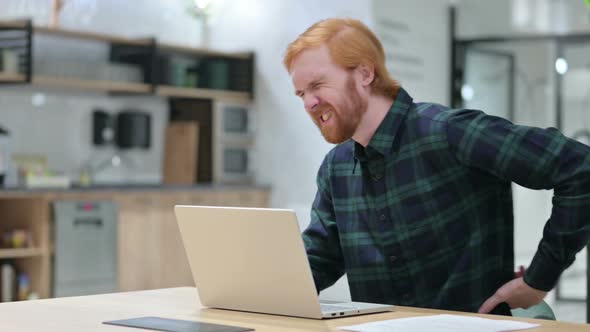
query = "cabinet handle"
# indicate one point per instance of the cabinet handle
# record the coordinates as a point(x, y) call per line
point(88, 222)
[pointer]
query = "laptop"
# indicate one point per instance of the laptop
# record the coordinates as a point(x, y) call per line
point(253, 259)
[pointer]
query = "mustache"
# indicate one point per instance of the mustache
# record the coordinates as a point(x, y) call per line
point(323, 107)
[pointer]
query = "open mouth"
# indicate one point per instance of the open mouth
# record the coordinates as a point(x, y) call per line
point(325, 117)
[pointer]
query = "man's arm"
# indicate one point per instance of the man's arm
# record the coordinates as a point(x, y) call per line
point(321, 236)
point(538, 159)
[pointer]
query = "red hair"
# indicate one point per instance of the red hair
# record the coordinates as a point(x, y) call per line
point(350, 43)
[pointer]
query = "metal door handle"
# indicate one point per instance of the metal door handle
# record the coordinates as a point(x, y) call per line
point(88, 222)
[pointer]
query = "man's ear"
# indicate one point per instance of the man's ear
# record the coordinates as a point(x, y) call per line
point(366, 73)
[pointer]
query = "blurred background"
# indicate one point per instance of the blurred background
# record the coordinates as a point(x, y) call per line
point(113, 111)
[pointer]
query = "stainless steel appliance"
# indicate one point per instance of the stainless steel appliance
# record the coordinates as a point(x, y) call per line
point(234, 127)
point(85, 260)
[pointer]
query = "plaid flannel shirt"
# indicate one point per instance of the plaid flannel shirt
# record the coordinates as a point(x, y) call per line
point(423, 215)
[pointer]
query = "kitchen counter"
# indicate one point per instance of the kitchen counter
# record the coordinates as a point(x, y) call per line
point(150, 253)
point(127, 188)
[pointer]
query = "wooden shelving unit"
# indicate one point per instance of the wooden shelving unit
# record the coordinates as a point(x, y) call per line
point(20, 253)
point(31, 214)
point(127, 87)
point(87, 35)
point(107, 86)
point(150, 251)
point(203, 51)
point(12, 77)
point(19, 24)
point(147, 54)
point(79, 84)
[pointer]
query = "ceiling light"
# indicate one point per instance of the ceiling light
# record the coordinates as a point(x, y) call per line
point(561, 66)
point(467, 92)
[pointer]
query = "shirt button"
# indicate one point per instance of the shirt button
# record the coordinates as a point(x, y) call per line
point(392, 258)
point(377, 177)
point(406, 297)
point(382, 217)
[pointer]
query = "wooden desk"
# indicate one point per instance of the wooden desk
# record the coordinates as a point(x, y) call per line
point(87, 313)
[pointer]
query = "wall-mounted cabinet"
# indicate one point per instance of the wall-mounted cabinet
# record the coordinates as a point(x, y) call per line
point(132, 66)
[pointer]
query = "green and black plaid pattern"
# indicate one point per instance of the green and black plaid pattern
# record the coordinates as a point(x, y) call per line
point(423, 215)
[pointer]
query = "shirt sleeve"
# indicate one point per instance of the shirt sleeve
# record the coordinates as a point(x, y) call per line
point(321, 236)
point(537, 159)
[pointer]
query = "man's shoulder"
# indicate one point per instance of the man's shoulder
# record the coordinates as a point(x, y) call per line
point(433, 111)
point(341, 153)
point(430, 118)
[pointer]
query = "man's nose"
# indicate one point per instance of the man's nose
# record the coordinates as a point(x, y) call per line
point(310, 102)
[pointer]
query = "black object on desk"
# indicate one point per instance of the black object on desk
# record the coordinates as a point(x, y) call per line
point(175, 325)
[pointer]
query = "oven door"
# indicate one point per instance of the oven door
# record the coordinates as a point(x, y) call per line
point(232, 162)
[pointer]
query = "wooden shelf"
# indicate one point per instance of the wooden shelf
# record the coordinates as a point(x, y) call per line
point(174, 91)
point(17, 24)
point(21, 24)
point(128, 87)
point(106, 86)
point(12, 77)
point(240, 58)
point(20, 252)
point(92, 36)
point(203, 51)
point(101, 37)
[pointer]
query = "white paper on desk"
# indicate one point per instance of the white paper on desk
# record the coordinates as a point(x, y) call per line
point(441, 323)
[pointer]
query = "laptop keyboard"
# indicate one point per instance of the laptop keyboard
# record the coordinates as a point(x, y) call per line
point(331, 307)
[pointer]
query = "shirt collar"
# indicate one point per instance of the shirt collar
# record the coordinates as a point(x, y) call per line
point(382, 141)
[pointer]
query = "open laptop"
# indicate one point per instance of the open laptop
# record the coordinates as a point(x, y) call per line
point(253, 259)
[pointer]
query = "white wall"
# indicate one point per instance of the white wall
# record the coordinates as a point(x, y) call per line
point(477, 18)
point(417, 53)
point(61, 130)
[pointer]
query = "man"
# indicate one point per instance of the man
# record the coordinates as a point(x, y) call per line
point(414, 203)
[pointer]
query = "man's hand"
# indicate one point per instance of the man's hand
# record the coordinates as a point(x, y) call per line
point(516, 293)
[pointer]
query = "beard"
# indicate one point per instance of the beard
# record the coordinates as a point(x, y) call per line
point(346, 118)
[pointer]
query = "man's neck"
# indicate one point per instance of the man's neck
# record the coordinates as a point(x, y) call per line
point(377, 108)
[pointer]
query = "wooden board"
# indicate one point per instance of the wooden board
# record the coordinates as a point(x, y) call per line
point(201, 111)
point(180, 159)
